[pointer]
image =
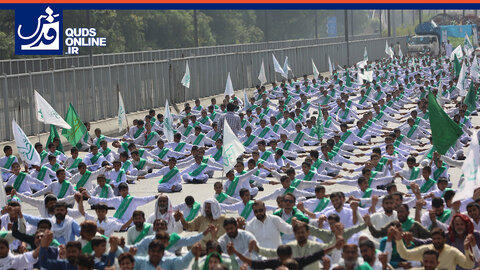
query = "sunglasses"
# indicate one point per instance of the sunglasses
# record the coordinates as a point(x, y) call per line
point(289, 201)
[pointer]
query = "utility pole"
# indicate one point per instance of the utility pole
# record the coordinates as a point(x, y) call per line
point(351, 22)
point(380, 17)
point(316, 23)
point(195, 28)
point(346, 37)
point(266, 25)
point(389, 25)
point(394, 26)
point(402, 17)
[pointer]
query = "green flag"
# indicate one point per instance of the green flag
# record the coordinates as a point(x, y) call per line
point(445, 131)
point(54, 134)
point(78, 129)
point(471, 98)
point(348, 80)
point(456, 66)
point(319, 125)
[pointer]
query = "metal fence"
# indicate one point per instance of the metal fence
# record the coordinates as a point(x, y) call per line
point(18, 66)
point(146, 84)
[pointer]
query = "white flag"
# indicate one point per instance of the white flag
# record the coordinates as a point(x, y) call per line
point(232, 148)
point(388, 50)
point(24, 147)
point(461, 81)
point(122, 117)
point(277, 66)
point(168, 123)
point(365, 55)
point(315, 70)
point(474, 69)
point(368, 75)
point(359, 78)
point(400, 53)
point(262, 77)
point(46, 114)
point(467, 45)
point(286, 67)
point(330, 67)
point(186, 77)
point(229, 87)
point(470, 172)
point(458, 51)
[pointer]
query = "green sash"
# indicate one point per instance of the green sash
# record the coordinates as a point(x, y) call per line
point(292, 186)
point(179, 147)
point(328, 122)
point(43, 155)
point(41, 173)
point(138, 132)
point(233, 186)
point(345, 114)
point(398, 140)
point(221, 197)
point(378, 96)
point(198, 170)
point(275, 128)
point(407, 225)
point(299, 137)
point(411, 131)
point(287, 122)
point(370, 180)
point(104, 192)
point(169, 175)
point(242, 123)
point(99, 139)
point(95, 158)
point(317, 164)
point(55, 167)
point(10, 161)
point(193, 212)
point(143, 233)
point(264, 132)
point(198, 139)
point(149, 137)
point(162, 153)
point(75, 164)
point(249, 140)
point(87, 249)
point(247, 209)
point(106, 152)
point(218, 155)
point(213, 115)
point(203, 120)
point(428, 184)
point(445, 215)
point(414, 173)
point(295, 213)
point(56, 153)
point(216, 136)
point(309, 176)
point(187, 131)
point(120, 174)
point(83, 180)
point(173, 240)
point(438, 172)
point(362, 131)
point(345, 135)
point(321, 205)
point(266, 155)
point(325, 101)
point(63, 189)
point(126, 165)
point(123, 207)
point(141, 164)
point(362, 100)
point(367, 193)
point(19, 180)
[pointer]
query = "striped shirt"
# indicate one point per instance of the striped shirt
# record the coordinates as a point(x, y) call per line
point(232, 120)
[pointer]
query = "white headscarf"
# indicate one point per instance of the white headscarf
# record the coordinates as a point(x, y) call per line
point(214, 206)
point(168, 216)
